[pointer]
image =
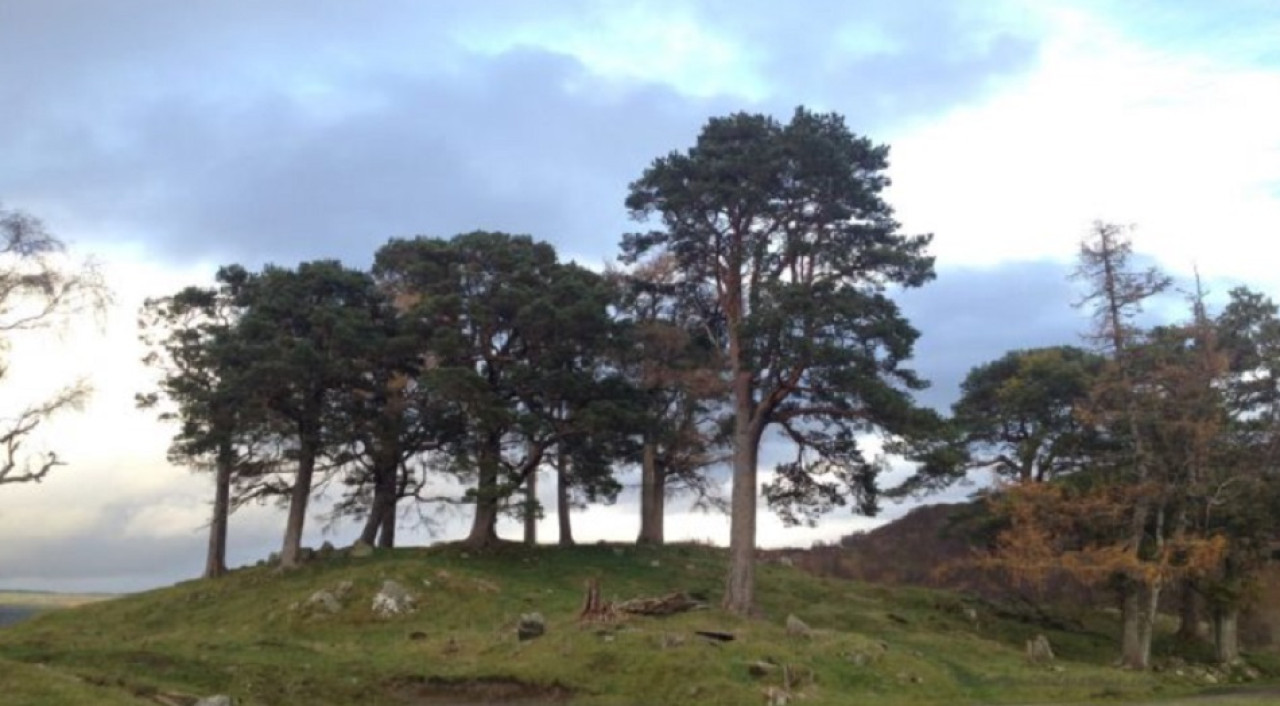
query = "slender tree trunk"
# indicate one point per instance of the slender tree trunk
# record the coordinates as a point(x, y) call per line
point(531, 509)
point(372, 522)
point(484, 525)
point(216, 562)
point(298, 500)
point(564, 504)
point(1151, 611)
point(652, 497)
point(1226, 634)
point(740, 587)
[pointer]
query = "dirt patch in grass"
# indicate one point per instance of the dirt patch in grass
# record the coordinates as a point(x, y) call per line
point(437, 691)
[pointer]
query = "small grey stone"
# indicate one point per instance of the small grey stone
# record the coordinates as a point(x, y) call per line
point(797, 627)
point(531, 625)
point(325, 602)
point(669, 640)
point(360, 550)
point(219, 700)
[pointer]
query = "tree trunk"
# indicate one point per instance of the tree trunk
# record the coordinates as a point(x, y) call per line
point(387, 529)
point(563, 502)
point(1151, 611)
point(1226, 634)
point(216, 562)
point(740, 587)
point(484, 525)
point(1189, 615)
point(298, 500)
point(1132, 654)
point(372, 522)
point(383, 508)
point(531, 509)
point(652, 497)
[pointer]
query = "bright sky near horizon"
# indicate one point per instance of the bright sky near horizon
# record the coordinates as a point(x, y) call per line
point(167, 138)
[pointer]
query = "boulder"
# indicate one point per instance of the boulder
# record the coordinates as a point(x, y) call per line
point(531, 625)
point(797, 627)
point(392, 600)
point(361, 550)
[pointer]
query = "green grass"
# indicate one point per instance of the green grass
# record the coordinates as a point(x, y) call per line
point(36, 685)
point(238, 635)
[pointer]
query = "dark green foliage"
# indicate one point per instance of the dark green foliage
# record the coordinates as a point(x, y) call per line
point(193, 341)
point(1018, 416)
point(517, 340)
point(786, 246)
point(309, 334)
point(785, 250)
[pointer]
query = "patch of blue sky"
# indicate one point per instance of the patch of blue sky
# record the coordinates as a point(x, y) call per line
point(1241, 33)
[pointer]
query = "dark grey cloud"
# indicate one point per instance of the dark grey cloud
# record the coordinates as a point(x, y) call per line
point(279, 131)
point(969, 316)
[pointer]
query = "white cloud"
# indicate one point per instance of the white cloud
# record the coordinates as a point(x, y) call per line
point(1182, 146)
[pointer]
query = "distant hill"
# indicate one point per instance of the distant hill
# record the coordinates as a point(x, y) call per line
point(907, 551)
point(49, 599)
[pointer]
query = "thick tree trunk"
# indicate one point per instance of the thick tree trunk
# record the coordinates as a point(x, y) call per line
point(215, 564)
point(382, 510)
point(652, 497)
point(564, 504)
point(1226, 634)
point(1138, 616)
point(531, 509)
point(1131, 648)
point(740, 587)
point(484, 525)
point(298, 500)
point(1190, 615)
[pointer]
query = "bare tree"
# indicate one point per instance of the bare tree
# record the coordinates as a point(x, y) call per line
point(40, 288)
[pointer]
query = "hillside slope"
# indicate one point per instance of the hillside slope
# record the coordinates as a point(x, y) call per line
point(252, 636)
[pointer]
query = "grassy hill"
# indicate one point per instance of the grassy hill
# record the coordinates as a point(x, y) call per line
point(251, 636)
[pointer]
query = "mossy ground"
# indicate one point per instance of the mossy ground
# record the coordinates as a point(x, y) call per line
point(239, 635)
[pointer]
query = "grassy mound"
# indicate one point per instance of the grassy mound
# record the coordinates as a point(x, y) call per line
point(254, 636)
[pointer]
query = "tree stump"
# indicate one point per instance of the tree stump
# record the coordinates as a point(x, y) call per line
point(1039, 651)
point(593, 607)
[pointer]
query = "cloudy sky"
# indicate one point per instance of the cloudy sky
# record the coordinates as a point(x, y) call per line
point(166, 138)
